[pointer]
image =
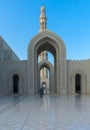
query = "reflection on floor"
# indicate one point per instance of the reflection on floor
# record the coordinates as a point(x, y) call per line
point(49, 113)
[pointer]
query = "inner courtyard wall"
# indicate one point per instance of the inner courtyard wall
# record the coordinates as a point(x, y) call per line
point(9, 68)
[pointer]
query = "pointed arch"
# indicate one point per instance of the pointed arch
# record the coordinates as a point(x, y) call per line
point(20, 81)
point(48, 41)
point(47, 64)
point(83, 81)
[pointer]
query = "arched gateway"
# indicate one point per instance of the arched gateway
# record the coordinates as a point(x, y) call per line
point(52, 43)
point(46, 66)
point(46, 41)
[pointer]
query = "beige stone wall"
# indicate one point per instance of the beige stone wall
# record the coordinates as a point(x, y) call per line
point(8, 69)
point(83, 68)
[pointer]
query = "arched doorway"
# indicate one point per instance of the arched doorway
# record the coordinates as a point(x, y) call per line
point(78, 83)
point(47, 41)
point(12, 76)
point(46, 46)
point(46, 64)
point(15, 84)
point(50, 79)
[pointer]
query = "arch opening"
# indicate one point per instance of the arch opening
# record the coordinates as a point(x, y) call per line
point(47, 41)
point(78, 83)
point(45, 79)
point(15, 84)
point(46, 52)
point(48, 47)
point(46, 55)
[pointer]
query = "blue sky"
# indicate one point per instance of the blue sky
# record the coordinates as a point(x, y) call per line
point(69, 19)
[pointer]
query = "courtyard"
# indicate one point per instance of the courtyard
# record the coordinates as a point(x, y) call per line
point(64, 112)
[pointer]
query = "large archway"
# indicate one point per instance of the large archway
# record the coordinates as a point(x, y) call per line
point(47, 41)
point(48, 47)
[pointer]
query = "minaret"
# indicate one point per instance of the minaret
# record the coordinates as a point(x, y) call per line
point(43, 19)
point(44, 54)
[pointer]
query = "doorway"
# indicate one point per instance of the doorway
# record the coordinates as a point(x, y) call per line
point(15, 84)
point(78, 83)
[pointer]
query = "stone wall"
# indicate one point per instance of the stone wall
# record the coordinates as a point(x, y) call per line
point(7, 71)
point(83, 68)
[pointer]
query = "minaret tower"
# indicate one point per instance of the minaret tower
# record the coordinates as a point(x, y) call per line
point(43, 19)
point(44, 54)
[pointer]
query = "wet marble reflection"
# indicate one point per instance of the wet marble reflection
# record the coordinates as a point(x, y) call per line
point(49, 113)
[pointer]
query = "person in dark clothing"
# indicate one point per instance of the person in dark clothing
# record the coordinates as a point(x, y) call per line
point(41, 91)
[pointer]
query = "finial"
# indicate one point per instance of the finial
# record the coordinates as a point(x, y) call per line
point(42, 19)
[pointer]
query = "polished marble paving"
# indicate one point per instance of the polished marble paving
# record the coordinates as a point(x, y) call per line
point(49, 113)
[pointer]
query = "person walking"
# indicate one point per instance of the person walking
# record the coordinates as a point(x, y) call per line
point(41, 92)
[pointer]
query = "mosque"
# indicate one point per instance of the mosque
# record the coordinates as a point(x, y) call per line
point(63, 76)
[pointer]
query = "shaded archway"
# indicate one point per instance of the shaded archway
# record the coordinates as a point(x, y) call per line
point(80, 75)
point(15, 84)
point(46, 46)
point(78, 83)
point(20, 81)
point(52, 87)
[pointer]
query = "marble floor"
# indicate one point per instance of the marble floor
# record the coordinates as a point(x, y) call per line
point(48, 113)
